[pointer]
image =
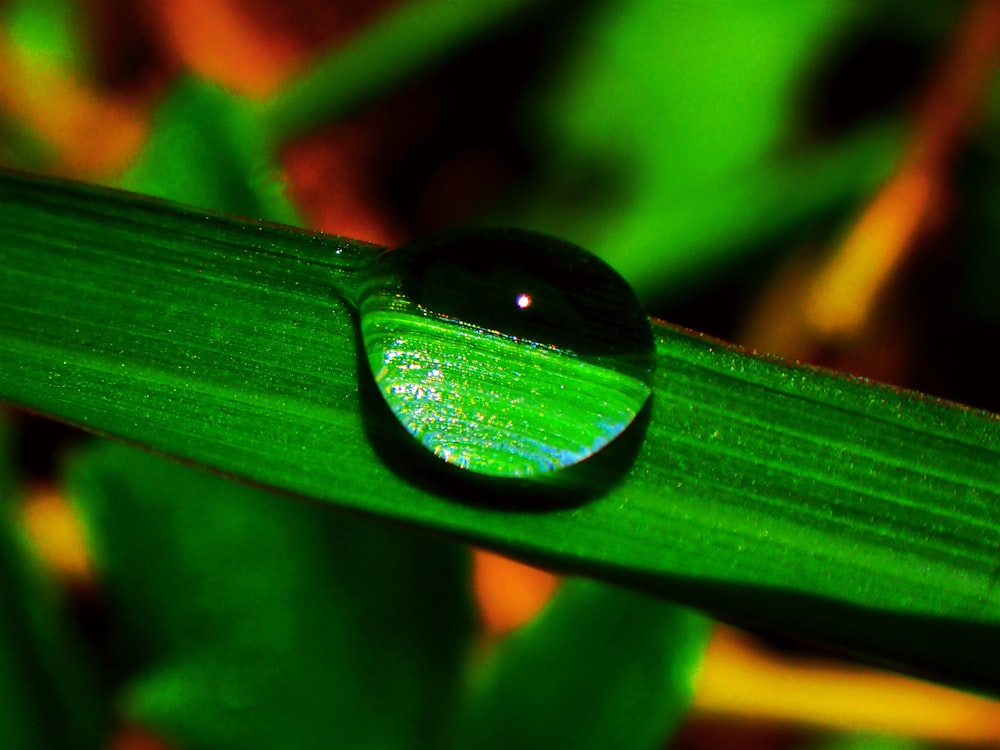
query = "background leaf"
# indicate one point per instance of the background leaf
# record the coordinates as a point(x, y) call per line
point(243, 619)
point(600, 667)
point(208, 148)
point(666, 136)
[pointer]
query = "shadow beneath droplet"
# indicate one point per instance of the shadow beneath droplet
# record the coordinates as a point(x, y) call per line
point(567, 488)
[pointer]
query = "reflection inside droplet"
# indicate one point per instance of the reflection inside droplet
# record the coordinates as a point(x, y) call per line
point(501, 389)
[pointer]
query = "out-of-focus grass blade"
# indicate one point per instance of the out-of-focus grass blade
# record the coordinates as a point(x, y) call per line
point(823, 504)
point(48, 696)
point(674, 116)
point(245, 620)
point(740, 214)
point(209, 146)
point(396, 46)
point(541, 689)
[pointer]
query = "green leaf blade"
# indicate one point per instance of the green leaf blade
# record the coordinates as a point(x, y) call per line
point(837, 508)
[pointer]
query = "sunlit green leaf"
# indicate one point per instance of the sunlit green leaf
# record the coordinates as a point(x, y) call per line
point(824, 504)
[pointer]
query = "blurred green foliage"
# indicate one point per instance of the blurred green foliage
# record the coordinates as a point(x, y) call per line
point(49, 695)
point(209, 148)
point(669, 142)
point(242, 619)
point(598, 668)
point(47, 31)
point(680, 105)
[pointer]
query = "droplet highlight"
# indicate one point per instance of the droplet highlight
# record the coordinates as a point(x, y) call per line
point(506, 352)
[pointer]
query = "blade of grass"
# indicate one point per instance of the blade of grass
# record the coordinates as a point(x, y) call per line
point(208, 145)
point(666, 190)
point(242, 620)
point(399, 45)
point(539, 690)
point(826, 505)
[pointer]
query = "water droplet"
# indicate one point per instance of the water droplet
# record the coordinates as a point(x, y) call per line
point(506, 352)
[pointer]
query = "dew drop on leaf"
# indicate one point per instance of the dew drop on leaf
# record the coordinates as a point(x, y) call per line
point(506, 352)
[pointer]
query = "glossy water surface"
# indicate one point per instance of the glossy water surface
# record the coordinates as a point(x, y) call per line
point(506, 352)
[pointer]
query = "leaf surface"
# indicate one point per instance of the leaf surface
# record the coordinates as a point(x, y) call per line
point(762, 491)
